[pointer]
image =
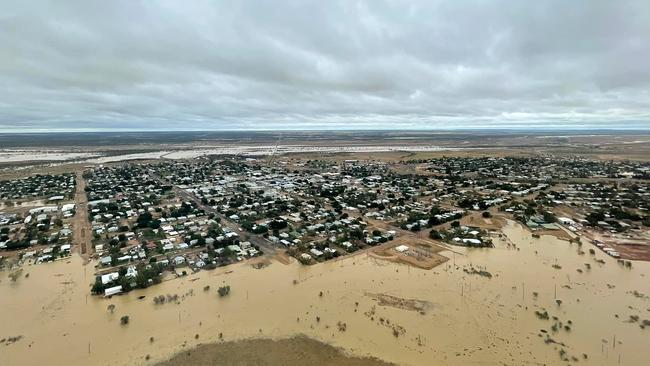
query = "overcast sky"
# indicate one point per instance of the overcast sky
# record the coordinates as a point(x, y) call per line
point(211, 65)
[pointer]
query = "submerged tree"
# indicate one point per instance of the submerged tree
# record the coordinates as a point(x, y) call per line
point(124, 320)
point(224, 290)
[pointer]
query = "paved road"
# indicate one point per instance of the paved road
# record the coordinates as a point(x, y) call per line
point(266, 246)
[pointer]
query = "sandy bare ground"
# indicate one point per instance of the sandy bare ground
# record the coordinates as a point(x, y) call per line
point(260, 352)
point(630, 249)
point(421, 254)
point(282, 257)
point(496, 222)
point(559, 233)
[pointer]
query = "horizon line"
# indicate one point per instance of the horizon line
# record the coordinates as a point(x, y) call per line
point(456, 129)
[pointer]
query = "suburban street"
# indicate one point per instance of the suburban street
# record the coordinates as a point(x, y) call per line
point(266, 246)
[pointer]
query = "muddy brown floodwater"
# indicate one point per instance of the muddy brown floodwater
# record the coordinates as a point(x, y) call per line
point(469, 318)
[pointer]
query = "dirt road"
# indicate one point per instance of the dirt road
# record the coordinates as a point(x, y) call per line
point(82, 229)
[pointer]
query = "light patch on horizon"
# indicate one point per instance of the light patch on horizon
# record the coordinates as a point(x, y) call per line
point(205, 65)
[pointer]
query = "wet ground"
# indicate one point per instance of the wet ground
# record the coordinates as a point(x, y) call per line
point(262, 352)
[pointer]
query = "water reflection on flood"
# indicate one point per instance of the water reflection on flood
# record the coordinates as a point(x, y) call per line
point(468, 318)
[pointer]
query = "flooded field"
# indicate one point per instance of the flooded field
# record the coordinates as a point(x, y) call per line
point(12, 156)
point(482, 306)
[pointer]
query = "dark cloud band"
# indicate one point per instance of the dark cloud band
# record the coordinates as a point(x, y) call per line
point(79, 65)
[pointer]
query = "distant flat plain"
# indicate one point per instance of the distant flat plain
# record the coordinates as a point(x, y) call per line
point(44, 151)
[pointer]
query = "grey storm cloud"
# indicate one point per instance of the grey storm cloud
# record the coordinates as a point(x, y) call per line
point(94, 65)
